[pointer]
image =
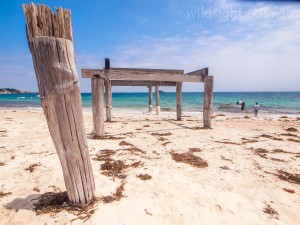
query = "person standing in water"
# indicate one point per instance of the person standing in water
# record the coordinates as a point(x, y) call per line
point(256, 108)
point(243, 106)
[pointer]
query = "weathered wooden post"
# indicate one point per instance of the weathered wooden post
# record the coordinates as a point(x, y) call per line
point(179, 100)
point(208, 97)
point(157, 100)
point(108, 92)
point(98, 107)
point(51, 45)
point(108, 95)
point(150, 98)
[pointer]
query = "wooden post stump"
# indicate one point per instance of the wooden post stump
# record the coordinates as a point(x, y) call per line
point(179, 100)
point(108, 95)
point(150, 98)
point(98, 107)
point(208, 97)
point(157, 100)
point(50, 42)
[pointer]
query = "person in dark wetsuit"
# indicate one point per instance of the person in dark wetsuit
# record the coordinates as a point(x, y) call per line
point(243, 106)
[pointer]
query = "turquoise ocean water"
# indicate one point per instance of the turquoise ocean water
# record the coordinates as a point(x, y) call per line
point(270, 102)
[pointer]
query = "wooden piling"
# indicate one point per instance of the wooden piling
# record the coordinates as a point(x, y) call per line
point(150, 98)
point(50, 42)
point(208, 97)
point(98, 107)
point(179, 100)
point(108, 95)
point(157, 100)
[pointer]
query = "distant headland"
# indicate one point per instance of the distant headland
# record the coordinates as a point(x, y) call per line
point(12, 91)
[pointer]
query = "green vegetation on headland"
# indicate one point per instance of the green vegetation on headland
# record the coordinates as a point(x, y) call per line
point(12, 91)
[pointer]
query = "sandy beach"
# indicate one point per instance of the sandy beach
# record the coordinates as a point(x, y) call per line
point(247, 175)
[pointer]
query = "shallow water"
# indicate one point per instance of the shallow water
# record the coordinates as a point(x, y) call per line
point(270, 102)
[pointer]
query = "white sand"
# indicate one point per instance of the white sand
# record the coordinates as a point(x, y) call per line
point(177, 193)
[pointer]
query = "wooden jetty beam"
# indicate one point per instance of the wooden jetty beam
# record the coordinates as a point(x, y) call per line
point(203, 72)
point(150, 98)
point(141, 83)
point(51, 45)
point(98, 107)
point(179, 100)
point(157, 100)
point(142, 75)
point(208, 97)
point(108, 95)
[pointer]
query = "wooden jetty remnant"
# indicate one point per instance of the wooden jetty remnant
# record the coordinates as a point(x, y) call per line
point(156, 78)
point(179, 100)
point(150, 98)
point(157, 100)
point(207, 105)
point(51, 44)
point(98, 107)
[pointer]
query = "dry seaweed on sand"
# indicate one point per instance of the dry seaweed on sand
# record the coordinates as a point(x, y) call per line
point(3, 194)
point(246, 140)
point(115, 168)
point(195, 149)
point(260, 152)
point(115, 196)
point(271, 137)
point(292, 178)
point(124, 143)
point(228, 142)
point(166, 143)
point(223, 158)
point(289, 190)
point(104, 155)
point(293, 140)
point(278, 160)
point(282, 151)
point(2, 164)
point(146, 125)
point(36, 189)
point(134, 150)
point(289, 135)
point(53, 203)
point(224, 168)
point(189, 158)
point(161, 134)
point(162, 139)
point(33, 167)
point(107, 138)
point(147, 212)
point(291, 129)
point(272, 212)
point(144, 176)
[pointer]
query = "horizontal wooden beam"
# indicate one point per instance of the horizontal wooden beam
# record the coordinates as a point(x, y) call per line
point(203, 72)
point(141, 83)
point(134, 70)
point(142, 75)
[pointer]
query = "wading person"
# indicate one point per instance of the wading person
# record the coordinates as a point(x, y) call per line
point(256, 108)
point(243, 106)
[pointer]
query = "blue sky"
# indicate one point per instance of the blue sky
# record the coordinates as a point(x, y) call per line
point(248, 45)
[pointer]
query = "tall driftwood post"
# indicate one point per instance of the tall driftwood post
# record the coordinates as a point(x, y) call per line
point(108, 95)
point(51, 45)
point(150, 98)
point(98, 107)
point(179, 100)
point(208, 97)
point(157, 100)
